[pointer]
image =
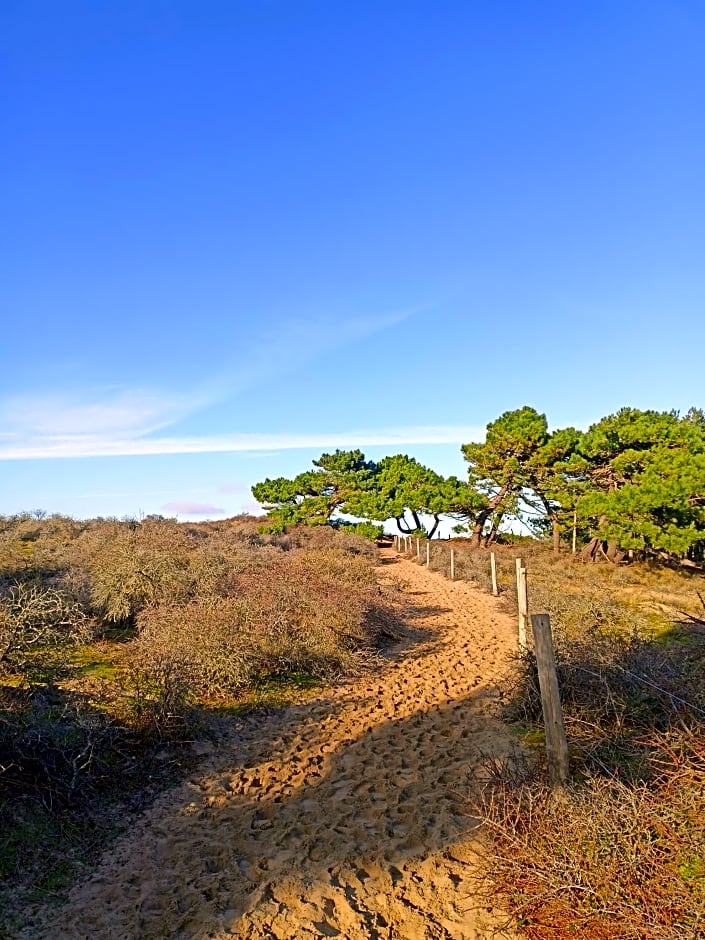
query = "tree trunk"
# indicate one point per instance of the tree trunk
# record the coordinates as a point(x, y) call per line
point(435, 526)
point(551, 514)
point(494, 529)
point(480, 521)
point(485, 514)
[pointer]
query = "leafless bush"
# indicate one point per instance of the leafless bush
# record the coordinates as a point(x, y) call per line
point(134, 566)
point(294, 612)
point(54, 747)
point(160, 684)
point(325, 536)
point(32, 616)
point(473, 564)
point(614, 690)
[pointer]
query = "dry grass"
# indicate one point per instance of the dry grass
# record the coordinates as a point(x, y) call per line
point(620, 852)
point(643, 596)
point(604, 859)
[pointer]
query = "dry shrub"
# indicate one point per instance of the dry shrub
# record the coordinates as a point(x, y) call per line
point(604, 860)
point(53, 747)
point(158, 562)
point(204, 643)
point(617, 692)
point(620, 852)
point(471, 564)
point(302, 611)
point(135, 565)
point(325, 536)
point(32, 617)
point(575, 613)
point(160, 687)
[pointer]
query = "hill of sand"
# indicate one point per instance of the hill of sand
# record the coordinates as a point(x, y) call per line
point(343, 816)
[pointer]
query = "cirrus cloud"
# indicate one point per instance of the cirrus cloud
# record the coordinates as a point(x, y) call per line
point(270, 443)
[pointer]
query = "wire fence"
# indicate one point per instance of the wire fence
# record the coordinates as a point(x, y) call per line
point(506, 576)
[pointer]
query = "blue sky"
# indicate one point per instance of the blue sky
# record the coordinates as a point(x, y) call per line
point(239, 233)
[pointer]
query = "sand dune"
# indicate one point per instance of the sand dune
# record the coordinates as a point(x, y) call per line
point(343, 817)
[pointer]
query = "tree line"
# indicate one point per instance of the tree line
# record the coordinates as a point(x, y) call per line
point(633, 482)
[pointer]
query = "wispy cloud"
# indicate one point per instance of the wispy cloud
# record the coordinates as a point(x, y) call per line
point(94, 411)
point(291, 345)
point(114, 421)
point(96, 445)
point(187, 508)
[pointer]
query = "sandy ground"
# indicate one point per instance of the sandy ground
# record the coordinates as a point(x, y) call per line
point(344, 816)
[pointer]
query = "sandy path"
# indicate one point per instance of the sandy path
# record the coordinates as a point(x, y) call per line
point(340, 817)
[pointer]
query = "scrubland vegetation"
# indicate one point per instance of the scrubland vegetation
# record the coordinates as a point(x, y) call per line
point(620, 852)
point(119, 642)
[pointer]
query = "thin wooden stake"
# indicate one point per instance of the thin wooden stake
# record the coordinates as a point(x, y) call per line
point(556, 741)
point(452, 564)
point(418, 548)
point(522, 603)
point(428, 554)
point(575, 531)
point(493, 566)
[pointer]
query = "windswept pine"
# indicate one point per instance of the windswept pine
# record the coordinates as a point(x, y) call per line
point(634, 482)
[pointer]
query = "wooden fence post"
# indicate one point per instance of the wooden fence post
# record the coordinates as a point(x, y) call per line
point(556, 741)
point(522, 602)
point(452, 564)
point(493, 566)
point(428, 554)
